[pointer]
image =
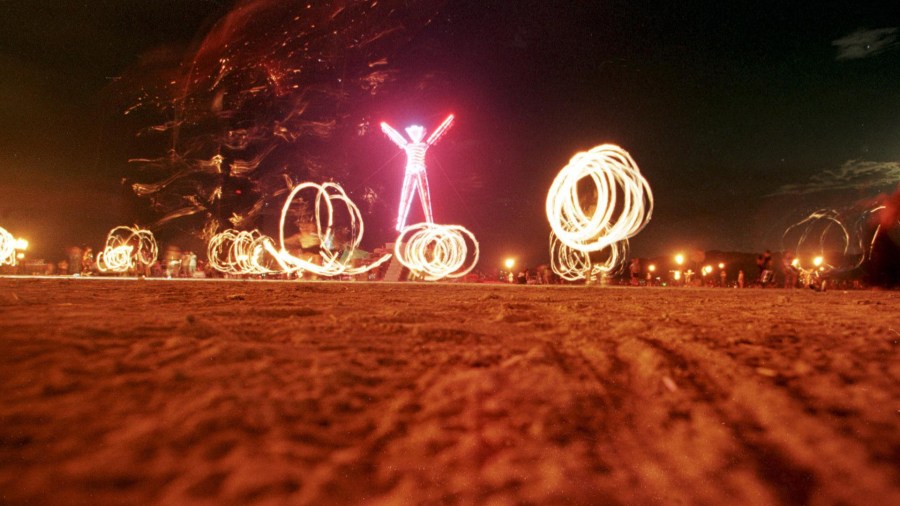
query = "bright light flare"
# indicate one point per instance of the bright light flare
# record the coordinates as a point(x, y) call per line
point(818, 261)
point(707, 269)
point(21, 244)
point(721, 265)
point(679, 259)
point(127, 249)
point(437, 251)
point(651, 268)
point(509, 263)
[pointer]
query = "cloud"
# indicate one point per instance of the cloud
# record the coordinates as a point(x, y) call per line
point(865, 43)
point(852, 175)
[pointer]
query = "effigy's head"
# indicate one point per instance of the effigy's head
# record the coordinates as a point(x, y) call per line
point(416, 133)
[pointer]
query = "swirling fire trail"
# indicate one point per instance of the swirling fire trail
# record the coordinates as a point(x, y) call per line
point(623, 207)
point(436, 251)
point(127, 249)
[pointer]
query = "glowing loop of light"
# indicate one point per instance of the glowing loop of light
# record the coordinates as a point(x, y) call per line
point(127, 248)
point(612, 170)
point(239, 252)
point(436, 251)
point(829, 231)
point(573, 265)
point(334, 263)
point(7, 248)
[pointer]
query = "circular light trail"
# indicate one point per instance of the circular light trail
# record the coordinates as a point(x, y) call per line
point(437, 251)
point(572, 264)
point(239, 252)
point(7, 248)
point(333, 262)
point(613, 218)
point(127, 249)
point(623, 207)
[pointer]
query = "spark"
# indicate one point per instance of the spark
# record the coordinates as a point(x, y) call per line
point(436, 251)
point(127, 249)
point(415, 177)
point(611, 221)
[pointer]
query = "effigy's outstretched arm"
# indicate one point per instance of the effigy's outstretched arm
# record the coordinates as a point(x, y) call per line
point(393, 135)
point(439, 131)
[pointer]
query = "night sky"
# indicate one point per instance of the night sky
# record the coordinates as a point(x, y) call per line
point(743, 116)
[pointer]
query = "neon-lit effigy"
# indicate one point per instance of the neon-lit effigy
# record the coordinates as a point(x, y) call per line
point(333, 262)
point(240, 252)
point(127, 249)
point(7, 248)
point(623, 207)
point(415, 177)
point(436, 251)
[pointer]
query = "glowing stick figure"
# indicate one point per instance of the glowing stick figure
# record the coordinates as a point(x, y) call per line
point(415, 177)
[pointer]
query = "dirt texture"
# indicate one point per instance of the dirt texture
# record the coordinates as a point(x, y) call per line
point(230, 392)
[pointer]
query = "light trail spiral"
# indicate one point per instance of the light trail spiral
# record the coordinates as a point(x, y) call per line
point(613, 171)
point(623, 207)
point(334, 262)
point(127, 249)
point(437, 251)
point(573, 265)
point(240, 252)
point(7, 248)
point(829, 232)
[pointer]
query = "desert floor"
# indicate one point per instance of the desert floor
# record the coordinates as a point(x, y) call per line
point(238, 392)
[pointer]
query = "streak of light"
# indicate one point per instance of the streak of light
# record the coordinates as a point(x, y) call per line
point(572, 264)
point(437, 251)
point(623, 207)
point(7, 248)
point(613, 171)
point(240, 252)
point(334, 262)
point(127, 249)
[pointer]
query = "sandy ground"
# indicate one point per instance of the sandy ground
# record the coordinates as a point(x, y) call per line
point(137, 392)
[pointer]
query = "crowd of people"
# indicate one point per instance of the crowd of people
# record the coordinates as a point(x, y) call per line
point(175, 263)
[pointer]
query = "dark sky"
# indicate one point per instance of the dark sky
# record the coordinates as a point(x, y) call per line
point(743, 116)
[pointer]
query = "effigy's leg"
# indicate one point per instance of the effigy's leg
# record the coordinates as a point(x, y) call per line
point(425, 196)
point(406, 196)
